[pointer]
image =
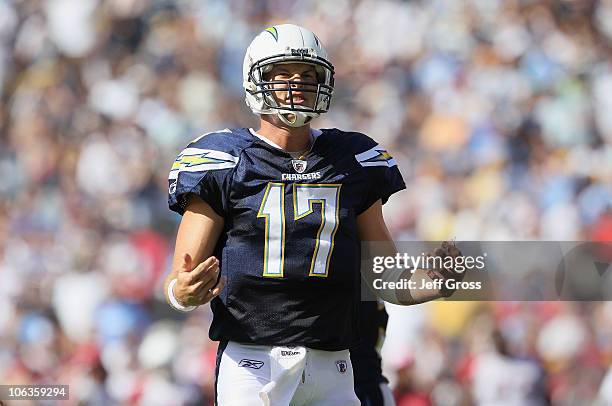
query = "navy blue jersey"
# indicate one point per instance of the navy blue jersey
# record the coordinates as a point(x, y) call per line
point(290, 249)
point(365, 354)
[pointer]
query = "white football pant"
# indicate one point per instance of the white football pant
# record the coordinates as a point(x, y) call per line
point(250, 375)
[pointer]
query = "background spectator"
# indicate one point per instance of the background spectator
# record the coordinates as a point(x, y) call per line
point(496, 111)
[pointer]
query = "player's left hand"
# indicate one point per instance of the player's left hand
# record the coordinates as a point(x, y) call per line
point(448, 250)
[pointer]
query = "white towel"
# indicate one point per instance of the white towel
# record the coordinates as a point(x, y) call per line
point(286, 367)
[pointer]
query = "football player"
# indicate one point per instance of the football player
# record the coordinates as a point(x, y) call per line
point(271, 230)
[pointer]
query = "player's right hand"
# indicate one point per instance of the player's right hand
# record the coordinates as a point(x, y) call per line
point(199, 284)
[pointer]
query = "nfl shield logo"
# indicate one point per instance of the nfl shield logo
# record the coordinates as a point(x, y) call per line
point(342, 367)
point(299, 165)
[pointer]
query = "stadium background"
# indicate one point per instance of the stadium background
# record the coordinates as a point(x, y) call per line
point(498, 113)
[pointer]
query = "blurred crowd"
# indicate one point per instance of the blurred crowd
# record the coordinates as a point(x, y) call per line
point(497, 112)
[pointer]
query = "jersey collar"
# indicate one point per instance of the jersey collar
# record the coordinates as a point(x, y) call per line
point(314, 133)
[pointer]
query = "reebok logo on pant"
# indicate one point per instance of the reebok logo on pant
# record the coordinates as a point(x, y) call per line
point(250, 363)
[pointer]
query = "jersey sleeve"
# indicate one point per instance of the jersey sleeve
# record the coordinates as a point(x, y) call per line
point(383, 175)
point(203, 172)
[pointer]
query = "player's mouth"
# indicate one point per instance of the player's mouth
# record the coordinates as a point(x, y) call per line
point(296, 100)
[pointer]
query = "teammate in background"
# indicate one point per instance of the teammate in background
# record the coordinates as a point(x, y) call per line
point(279, 213)
point(371, 386)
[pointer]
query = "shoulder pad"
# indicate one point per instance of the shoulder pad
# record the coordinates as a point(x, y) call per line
point(211, 151)
point(367, 152)
point(375, 156)
point(231, 141)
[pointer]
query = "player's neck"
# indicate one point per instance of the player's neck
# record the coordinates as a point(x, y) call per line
point(288, 138)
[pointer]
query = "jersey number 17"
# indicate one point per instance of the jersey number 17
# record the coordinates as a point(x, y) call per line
point(272, 209)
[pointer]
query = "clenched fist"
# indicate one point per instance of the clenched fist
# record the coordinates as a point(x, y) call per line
point(448, 252)
point(197, 285)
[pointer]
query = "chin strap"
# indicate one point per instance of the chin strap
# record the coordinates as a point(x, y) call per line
point(292, 119)
point(299, 119)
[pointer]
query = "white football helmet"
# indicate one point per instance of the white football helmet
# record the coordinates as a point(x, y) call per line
point(287, 43)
